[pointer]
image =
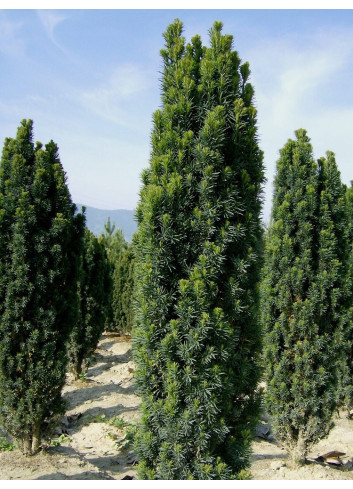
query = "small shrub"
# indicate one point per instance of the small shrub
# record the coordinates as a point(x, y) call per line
point(127, 442)
point(83, 376)
point(5, 445)
point(100, 418)
point(118, 422)
point(61, 440)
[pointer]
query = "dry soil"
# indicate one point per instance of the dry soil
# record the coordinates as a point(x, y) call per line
point(89, 446)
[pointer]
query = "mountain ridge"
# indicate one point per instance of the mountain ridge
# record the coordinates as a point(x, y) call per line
point(122, 218)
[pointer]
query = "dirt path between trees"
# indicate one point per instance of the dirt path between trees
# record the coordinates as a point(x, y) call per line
point(93, 438)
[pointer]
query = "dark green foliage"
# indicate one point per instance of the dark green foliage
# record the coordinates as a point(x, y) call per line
point(196, 340)
point(123, 284)
point(5, 445)
point(94, 283)
point(40, 244)
point(114, 244)
point(120, 255)
point(305, 297)
point(109, 228)
point(346, 392)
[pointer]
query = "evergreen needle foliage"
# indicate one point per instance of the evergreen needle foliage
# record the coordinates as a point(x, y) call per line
point(123, 284)
point(196, 340)
point(305, 295)
point(346, 384)
point(40, 244)
point(93, 285)
point(121, 258)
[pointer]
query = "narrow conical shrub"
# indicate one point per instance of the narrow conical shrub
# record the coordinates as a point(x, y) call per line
point(123, 285)
point(196, 338)
point(93, 293)
point(115, 246)
point(304, 298)
point(40, 244)
point(346, 378)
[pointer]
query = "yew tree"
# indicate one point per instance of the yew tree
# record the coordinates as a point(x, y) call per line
point(94, 287)
point(123, 286)
point(115, 246)
point(196, 338)
point(346, 378)
point(305, 296)
point(40, 245)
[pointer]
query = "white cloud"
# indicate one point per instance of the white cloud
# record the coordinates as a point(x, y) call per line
point(50, 19)
point(111, 100)
point(290, 76)
point(11, 43)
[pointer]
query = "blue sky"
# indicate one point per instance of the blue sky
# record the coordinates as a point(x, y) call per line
point(90, 81)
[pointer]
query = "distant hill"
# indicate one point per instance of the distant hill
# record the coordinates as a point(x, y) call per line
point(122, 218)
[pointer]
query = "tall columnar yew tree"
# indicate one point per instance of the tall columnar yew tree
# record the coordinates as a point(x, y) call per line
point(305, 295)
point(115, 246)
point(123, 284)
point(196, 338)
point(93, 292)
point(346, 393)
point(40, 240)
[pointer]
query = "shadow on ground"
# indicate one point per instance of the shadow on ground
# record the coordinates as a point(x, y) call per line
point(259, 456)
point(121, 463)
point(78, 397)
point(83, 476)
point(108, 362)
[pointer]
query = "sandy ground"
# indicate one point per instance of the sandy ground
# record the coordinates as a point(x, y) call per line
point(269, 460)
point(91, 447)
point(88, 449)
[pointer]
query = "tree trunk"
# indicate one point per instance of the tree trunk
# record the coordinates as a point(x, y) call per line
point(78, 368)
point(27, 445)
point(36, 438)
point(298, 453)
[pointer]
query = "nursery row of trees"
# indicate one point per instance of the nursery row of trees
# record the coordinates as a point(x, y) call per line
point(57, 286)
point(104, 289)
point(120, 254)
point(219, 305)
